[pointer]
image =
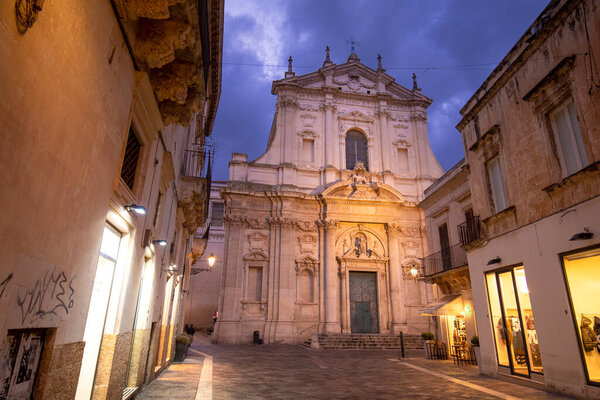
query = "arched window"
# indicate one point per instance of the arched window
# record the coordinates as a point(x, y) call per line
point(356, 150)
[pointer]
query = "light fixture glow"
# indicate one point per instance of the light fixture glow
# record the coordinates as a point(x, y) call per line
point(467, 310)
point(160, 242)
point(136, 209)
point(211, 260)
point(414, 271)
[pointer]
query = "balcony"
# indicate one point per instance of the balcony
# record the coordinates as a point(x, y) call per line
point(470, 231)
point(194, 186)
point(444, 260)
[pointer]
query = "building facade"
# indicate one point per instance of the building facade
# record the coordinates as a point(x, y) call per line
point(450, 224)
point(532, 142)
point(205, 281)
point(322, 230)
point(106, 99)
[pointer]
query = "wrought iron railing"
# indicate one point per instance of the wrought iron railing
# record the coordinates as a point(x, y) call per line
point(444, 260)
point(469, 231)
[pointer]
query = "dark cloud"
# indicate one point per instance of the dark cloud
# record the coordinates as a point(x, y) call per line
point(410, 35)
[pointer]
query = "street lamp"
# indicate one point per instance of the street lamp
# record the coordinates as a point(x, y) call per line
point(211, 262)
point(414, 271)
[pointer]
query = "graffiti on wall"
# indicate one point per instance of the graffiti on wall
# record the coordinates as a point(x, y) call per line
point(4, 284)
point(47, 296)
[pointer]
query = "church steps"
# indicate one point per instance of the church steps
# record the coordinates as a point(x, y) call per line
point(366, 342)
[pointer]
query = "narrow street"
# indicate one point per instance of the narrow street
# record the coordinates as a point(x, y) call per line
point(293, 372)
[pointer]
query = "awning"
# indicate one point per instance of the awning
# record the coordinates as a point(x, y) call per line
point(447, 305)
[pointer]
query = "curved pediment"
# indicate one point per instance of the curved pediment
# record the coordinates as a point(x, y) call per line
point(256, 256)
point(359, 186)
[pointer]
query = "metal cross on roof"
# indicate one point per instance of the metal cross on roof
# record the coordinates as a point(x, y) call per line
point(352, 42)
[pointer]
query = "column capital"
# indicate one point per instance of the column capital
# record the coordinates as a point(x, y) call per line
point(328, 224)
point(393, 228)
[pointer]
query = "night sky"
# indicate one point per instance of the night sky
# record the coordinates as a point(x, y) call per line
point(452, 46)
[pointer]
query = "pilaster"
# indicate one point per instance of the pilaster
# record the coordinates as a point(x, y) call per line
point(396, 297)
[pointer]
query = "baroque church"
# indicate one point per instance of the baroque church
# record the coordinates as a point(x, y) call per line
point(322, 230)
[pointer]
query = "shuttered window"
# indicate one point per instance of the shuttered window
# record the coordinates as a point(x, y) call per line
point(130, 161)
point(254, 283)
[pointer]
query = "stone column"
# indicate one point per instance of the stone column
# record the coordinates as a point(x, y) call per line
point(332, 281)
point(329, 139)
point(395, 276)
point(384, 137)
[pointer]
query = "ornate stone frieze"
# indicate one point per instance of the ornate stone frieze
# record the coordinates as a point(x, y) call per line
point(308, 107)
point(419, 116)
point(328, 224)
point(250, 222)
point(392, 228)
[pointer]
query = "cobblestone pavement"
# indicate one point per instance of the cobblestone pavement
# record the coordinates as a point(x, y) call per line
point(295, 372)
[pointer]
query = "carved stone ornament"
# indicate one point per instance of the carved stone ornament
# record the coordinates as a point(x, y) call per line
point(402, 142)
point(307, 263)
point(307, 243)
point(159, 39)
point(308, 120)
point(250, 222)
point(393, 228)
point(328, 224)
point(257, 241)
point(172, 81)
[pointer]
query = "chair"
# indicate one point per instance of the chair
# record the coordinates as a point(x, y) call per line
point(440, 351)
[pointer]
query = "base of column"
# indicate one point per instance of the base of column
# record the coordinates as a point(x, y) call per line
point(331, 327)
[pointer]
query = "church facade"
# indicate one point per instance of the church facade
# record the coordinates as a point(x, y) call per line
point(322, 231)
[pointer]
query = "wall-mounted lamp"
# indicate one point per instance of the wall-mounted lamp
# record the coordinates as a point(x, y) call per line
point(585, 235)
point(494, 261)
point(136, 209)
point(414, 271)
point(160, 242)
point(211, 262)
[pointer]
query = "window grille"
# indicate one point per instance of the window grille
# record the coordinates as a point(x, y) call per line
point(356, 150)
point(130, 161)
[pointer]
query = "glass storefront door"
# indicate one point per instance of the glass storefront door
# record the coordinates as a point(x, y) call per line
point(512, 321)
point(583, 281)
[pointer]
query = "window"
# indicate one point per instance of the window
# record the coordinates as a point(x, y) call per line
point(130, 161)
point(356, 150)
point(512, 321)
point(583, 281)
point(568, 139)
point(254, 284)
point(216, 216)
point(445, 246)
point(403, 159)
point(496, 180)
point(308, 150)
point(306, 286)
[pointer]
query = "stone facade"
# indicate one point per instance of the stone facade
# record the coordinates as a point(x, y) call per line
point(203, 298)
point(532, 142)
point(324, 225)
point(450, 225)
point(89, 132)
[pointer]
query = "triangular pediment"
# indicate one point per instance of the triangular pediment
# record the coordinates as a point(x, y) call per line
point(354, 77)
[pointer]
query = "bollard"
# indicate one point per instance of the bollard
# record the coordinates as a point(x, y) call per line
point(402, 344)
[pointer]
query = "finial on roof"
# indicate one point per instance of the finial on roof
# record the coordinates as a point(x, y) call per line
point(289, 72)
point(353, 43)
point(327, 61)
point(379, 66)
point(416, 87)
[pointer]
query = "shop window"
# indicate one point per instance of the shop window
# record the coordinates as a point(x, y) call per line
point(583, 282)
point(496, 181)
point(356, 150)
point(308, 150)
point(20, 359)
point(512, 321)
point(403, 159)
point(130, 160)
point(254, 284)
point(216, 215)
point(568, 138)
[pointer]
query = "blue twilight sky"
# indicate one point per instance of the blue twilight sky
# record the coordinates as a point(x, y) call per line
point(466, 38)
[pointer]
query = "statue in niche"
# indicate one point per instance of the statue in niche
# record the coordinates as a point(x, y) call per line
point(360, 245)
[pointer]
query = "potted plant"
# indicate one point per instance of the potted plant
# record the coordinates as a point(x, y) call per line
point(182, 342)
point(427, 337)
point(476, 349)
